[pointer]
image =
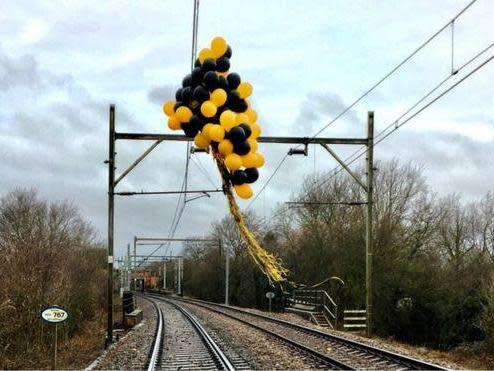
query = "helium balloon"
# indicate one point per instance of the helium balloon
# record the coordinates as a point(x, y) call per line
point(252, 115)
point(256, 130)
point(187, 80)
point(222, 64)
point(189, 130)
point(183, 114)
point(243, 191)
point(200, 94)
point(211, 80)
point(200, 141)
point(196, 122)
point(205, 54)
point(244, 90)
point(252, 175)
point(208, 109)
point(233, 80)
point(178, 95)
point(259, 160)
point(241, 106)
point(246, 128)
point(218, 47)
point(253, 144)
point(242, 118)
point(239, 177)
point(223, 83)
point(208, 65)
point(236, 134)
point(249, 160)
point(228, 52)
point(216, 133)
point(218, 97)
point(225, 147)
point(168, 108)
point(174, 123)
point(241, 148)
point(196, 76)
point(206, 129)
point(178, 104)
point(233, 162)
point(227, 120)
point(187, 95)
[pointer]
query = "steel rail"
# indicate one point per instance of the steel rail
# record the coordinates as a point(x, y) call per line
point(217, 354)
point(312, 352)
point(156, 348)
point(411, 362)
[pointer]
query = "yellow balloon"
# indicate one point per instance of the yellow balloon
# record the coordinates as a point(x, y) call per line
point(217, 133)
point(200, 141)
point(253, 144)
point(183, 114)
point(243, 191)
point(244, 90)
point(227, 120)
point(218, 97)
point(249, 160)
point(242, 118)
point(225, 147)
point(168, 108)
point(233, 161)
point(206, 131)
point(256, 130)
point(208, 109)
point(218, 46)
point(259, 160)
point(252, 115)
point(205, 54)
point(173, 123)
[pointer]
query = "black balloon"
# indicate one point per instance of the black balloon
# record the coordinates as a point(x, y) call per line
point(228, 52)
point(222, 64)
point(189, 130)
point(196, 76)
point(197, 63)
point(208, 65)
point(236, 134)
point(187, 95)
point(201, 94)
point(186, 81)
point(196, 122)
point(240, 106)
point(239, 177)
point(211, 80)
point(223, 84)
point(241, 148)
point(178, 95)
point(233, 99)
point(178, 104)
point(247, 129)
point(252, 175)
point(233, 80)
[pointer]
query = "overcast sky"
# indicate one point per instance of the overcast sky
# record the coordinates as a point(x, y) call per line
point(63, 62)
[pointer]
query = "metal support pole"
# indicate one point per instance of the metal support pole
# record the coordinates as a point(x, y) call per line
point(368, 226)
point(227, 275)
point(135, 252)
point(127, 281)
point(179, 276)
point(111, 186)
point(164, 275)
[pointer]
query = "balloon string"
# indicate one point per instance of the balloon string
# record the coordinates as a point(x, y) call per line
point(270, 265)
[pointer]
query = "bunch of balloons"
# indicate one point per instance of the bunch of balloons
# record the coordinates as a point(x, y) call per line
point(212, 107)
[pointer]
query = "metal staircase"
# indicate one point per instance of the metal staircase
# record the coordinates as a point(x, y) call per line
point(315, 305)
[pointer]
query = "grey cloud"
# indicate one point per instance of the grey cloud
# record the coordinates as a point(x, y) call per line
point(159, 94)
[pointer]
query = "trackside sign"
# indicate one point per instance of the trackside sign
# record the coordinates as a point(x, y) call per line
point(54, 314)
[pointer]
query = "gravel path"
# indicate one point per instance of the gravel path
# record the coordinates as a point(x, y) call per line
point(131, 352)
point(263, 351)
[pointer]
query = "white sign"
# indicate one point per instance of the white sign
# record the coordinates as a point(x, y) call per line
point(270, 294)
point(54, 314)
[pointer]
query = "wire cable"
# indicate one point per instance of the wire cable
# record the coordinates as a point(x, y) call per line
point(201, 168)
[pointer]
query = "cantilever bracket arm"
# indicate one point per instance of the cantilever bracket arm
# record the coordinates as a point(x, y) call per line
point(345, 166)
point(137, 161)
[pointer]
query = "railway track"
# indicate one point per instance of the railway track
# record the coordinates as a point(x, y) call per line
point(332, 350)
point(181, 342)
